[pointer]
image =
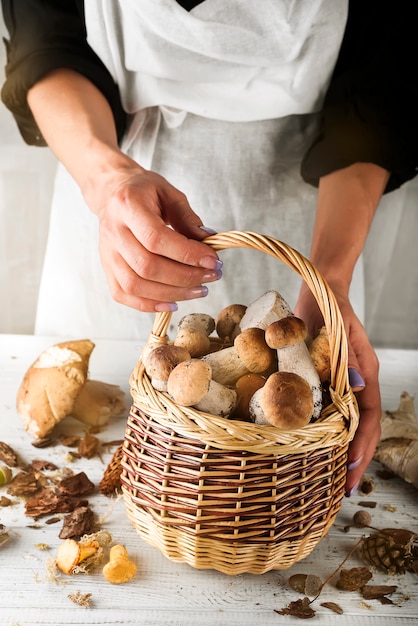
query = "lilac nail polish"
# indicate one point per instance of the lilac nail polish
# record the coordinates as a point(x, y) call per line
point(352, 491)
point(355, 463)
point(208, 230)
point(166, 307)
point(355, 378)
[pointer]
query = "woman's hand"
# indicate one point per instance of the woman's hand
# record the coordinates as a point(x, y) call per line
point(363, 366)
point(148, 265)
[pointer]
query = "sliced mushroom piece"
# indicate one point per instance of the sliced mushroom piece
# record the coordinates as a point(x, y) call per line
point(268, 308)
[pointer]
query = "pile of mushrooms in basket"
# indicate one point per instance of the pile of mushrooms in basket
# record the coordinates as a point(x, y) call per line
point(254, 363)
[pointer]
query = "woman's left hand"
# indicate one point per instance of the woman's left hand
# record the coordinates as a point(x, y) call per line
point(363, 366)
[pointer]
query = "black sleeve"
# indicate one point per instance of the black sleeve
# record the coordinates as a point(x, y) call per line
point(45, 35)
point(370, 112)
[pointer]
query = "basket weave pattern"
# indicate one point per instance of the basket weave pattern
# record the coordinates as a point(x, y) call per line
point(230, 495)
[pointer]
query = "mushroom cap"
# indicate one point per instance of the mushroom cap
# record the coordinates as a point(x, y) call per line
point(286, 332)
point(286, 400)
point(245, 387)
point(195, 342)
point(51, 385)
point(160, 362)
point(228, 320)
point(189, 382)
point(253, 350)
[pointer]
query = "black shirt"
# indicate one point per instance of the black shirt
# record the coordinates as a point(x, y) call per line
point(370, 112)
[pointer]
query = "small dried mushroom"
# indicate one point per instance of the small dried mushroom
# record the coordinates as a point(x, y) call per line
point(120, 568)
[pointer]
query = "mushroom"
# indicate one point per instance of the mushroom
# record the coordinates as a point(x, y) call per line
point(119, 569)
point(71, 553)
point(193, 333)
point(287, 336)
point(51, 388)
point(268, 308)
point(320, 354)
point(190, 384)
point(246, 386)
point(250, 353)
point(160, 361)
point(285, 401)
point(228, 321)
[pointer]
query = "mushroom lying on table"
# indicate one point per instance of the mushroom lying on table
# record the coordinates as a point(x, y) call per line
point(56, 385)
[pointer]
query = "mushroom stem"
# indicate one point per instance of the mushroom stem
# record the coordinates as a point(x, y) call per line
point(97, 402)
point(268, 308)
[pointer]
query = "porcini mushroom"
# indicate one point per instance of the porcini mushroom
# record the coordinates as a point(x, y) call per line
point(228, 321)
point(285, 401)
point(190, 384)
point(161, 361)
point(250, 353)
point(320, 354)
point(193, 333)
point(52, 385)
point(288, 336)
point(246, 386)
point(268, 308)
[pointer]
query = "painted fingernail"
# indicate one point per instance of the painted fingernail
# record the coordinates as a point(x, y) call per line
point(355, 378)
point(355, 463)
point(196, 292)
point(211, 276)
point(208, 230)
point(352, 491)
point(166, 307)
point(210, 263)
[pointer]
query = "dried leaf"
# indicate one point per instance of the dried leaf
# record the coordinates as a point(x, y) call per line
point(5, 501)
point(8, 455)
point(353, 579)
point(333, 607)
point(299, 608)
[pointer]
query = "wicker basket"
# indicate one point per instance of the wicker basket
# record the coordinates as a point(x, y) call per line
point(229, 495)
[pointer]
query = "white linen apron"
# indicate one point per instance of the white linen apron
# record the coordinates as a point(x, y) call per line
point(223, 103)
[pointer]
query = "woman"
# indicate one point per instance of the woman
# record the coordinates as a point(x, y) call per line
point(197, 116)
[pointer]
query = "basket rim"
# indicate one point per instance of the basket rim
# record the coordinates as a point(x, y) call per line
point(338, 421)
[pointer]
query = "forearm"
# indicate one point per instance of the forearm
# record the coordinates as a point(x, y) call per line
point(77, 124)
point(347, 201)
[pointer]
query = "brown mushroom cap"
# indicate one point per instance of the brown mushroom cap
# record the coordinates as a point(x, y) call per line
point(286, 332)
point(228, 320)
point(286, 400)
point(160, 362)
point(253, 350)
point(189, 382)
point(51, 385)
point(245, 387)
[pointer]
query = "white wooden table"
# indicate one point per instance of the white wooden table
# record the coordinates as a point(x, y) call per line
point(164, 593)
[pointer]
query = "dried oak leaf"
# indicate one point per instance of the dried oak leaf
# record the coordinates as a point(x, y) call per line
point(299, 608)
point(8, 455)
point(353, 579)
point(79, 522)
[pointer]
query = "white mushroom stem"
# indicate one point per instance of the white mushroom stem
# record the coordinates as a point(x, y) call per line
point(268, 308)
point(193, 333)
point(97, 402)
point(219, 400)
point(250, 353)
point(297, 359)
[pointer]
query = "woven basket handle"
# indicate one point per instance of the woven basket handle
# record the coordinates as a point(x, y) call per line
point(316, 283)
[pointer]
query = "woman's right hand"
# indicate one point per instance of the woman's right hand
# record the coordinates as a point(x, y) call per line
point(150, 240)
